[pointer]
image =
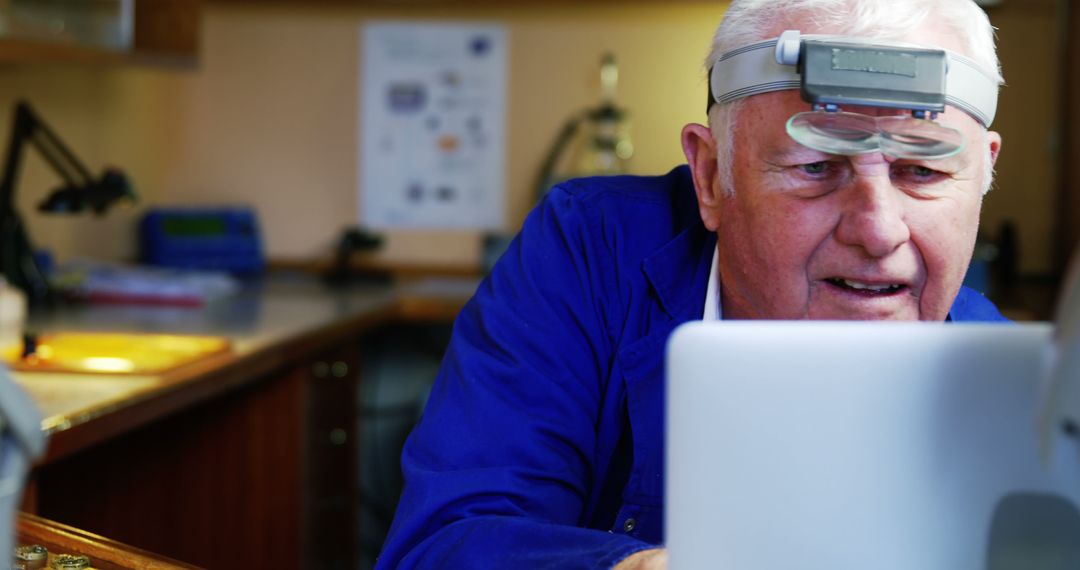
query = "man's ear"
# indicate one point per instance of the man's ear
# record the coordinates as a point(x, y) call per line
point(995, 145)
point(700, 150)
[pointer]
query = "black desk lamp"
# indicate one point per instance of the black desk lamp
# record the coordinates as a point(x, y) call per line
point(79, 191)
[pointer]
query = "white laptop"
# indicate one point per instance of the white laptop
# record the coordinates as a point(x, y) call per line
point(844, 446)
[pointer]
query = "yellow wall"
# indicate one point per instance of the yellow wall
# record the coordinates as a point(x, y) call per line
point(269, 117)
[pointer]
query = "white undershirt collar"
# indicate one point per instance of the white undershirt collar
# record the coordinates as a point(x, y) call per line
point(713, 310)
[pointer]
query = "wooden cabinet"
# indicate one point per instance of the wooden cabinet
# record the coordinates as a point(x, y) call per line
point(163, 32)
point(264, 476)
point(332, 476)
point(249, 459)
point(167, 30)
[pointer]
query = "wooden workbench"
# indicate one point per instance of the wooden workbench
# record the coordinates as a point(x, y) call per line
point(247, 459)
point(103, 553)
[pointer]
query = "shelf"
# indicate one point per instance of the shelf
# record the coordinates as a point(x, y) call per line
point(166, 32)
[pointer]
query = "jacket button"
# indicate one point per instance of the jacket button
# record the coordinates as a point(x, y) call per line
point(629, 525)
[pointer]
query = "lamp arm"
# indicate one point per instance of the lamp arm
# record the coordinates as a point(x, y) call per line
point(58, 155)
point(17, 262)
point(27, 126)
point(20, 130)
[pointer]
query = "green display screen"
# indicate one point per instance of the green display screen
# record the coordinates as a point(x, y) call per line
point(192, 226)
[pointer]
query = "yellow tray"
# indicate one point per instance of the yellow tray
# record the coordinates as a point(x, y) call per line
point(113, 353)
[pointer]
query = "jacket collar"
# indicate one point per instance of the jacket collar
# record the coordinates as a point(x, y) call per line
point(679, 272)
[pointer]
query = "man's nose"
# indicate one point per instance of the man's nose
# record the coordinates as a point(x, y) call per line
point(872, 216)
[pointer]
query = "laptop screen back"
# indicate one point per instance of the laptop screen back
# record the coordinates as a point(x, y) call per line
point(852, 446)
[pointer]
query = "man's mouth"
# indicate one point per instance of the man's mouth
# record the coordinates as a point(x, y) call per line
point(869, 289)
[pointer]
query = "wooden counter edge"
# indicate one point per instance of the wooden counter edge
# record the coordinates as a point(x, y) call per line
point(104, 553)
point(401, 271)
point(189, 385)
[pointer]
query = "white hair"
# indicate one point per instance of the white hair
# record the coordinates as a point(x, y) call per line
point(749, 21)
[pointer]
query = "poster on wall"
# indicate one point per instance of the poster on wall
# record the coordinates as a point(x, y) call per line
point(432, 125)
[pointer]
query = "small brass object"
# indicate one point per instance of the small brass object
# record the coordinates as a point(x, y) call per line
point(70, 562)
point(32, 557)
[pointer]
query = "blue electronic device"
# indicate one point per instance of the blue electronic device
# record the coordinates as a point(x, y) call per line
point(221, 239)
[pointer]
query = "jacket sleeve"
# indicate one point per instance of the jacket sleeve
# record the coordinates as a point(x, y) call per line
point(498, 470)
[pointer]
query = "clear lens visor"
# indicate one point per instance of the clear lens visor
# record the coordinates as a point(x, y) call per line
point(899, 136)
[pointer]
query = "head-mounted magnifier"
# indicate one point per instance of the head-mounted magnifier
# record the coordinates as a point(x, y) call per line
point(835, 71)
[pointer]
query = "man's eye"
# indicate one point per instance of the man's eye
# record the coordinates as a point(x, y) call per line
point(919, 171)
point(814, 167)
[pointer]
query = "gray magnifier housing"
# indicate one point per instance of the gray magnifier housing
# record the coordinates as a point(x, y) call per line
point(832, 72)
point(835, 73)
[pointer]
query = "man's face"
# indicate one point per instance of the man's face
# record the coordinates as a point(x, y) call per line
point(811, 235)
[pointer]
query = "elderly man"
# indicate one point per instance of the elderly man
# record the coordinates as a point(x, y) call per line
point(542, 441)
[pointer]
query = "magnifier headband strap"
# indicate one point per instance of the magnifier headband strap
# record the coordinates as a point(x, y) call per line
point(750, 70)
point(753, 69)
point(969, 88)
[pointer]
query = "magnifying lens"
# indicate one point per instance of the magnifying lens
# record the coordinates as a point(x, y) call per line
point(834, 72)
point(853, 133)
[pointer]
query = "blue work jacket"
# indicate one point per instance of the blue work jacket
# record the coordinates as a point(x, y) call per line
point(542, 442)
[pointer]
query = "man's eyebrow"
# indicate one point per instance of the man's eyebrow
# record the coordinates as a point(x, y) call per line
point(953, 163)
point(794, 151)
